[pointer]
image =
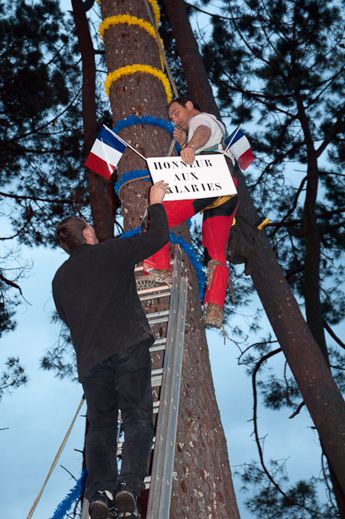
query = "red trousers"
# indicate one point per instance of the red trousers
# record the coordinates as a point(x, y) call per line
point(216, 227)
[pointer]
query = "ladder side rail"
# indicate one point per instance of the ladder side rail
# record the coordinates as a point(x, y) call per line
point(170, 442)
point(157, 476)
point(162, 419)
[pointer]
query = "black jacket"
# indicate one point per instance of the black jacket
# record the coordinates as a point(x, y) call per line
point(95, 293)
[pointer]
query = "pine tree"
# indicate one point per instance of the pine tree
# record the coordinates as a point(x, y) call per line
point(278, 302)
point(203, 485)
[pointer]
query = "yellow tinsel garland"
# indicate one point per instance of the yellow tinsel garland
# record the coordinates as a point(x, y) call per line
point(128, 19)
point(133, 69)
point(155, 8)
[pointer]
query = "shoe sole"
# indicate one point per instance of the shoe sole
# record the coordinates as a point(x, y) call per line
point(99, 511)
point(214, 324)
point(126, 505)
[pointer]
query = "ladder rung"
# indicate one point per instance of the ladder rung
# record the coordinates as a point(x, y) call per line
point(149, 296)
point(161, 313)
point(154, 290)
point(157, 371)
point(156, 381)
point(159, 321)
point(158, 317)
point(156, 377)
point(159, 345)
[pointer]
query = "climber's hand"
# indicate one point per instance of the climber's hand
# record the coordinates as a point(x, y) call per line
point(188, 155)
point(180, 135)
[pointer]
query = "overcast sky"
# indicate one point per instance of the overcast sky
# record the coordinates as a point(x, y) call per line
point(38, 415)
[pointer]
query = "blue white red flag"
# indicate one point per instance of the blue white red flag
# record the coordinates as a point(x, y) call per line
point(105, 153)
point(239, 146)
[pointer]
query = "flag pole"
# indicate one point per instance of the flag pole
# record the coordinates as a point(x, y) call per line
point(232, 138)
point(124, 142)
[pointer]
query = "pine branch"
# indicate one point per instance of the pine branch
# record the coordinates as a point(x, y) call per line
point(255, 421)
point(333, 335)
point(294, 203)
point(297, 410)
point(36, 198)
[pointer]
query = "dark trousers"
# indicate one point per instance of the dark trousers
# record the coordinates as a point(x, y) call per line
point(122, 381)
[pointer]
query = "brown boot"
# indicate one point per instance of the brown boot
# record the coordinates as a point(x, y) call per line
point(214, 315)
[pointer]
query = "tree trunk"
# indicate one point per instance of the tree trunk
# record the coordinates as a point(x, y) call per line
point(102, 199)
point(320, 393)
point(203, 485)
point(312, 259)
point(199, 87)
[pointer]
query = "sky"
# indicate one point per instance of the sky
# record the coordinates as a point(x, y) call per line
point(38, 415)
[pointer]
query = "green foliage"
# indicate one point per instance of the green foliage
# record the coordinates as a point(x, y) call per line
point(279, 67)
point(300, 500)
point(41, 135)
point(12, 377)
point(61, 358)
point(41, 142)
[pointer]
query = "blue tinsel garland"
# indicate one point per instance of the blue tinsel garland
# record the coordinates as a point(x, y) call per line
point(62, 509)
point(187, 249)
point(131, 120)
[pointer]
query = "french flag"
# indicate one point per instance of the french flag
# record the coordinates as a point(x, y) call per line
point(239, 146)
point(106, 152)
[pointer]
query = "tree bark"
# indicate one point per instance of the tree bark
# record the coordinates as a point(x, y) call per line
point(312, 239)
point(102, 199)
point(203, 485)
point(321, 395)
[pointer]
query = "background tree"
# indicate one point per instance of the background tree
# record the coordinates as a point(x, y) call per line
point(40, 143)
point(215, 61)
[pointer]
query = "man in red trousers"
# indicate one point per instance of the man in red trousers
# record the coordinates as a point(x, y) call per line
point(199, 132)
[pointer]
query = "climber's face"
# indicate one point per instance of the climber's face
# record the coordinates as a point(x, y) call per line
point(180, 115)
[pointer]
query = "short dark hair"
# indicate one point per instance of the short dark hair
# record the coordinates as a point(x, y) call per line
point(183, 100)
point(69, 233)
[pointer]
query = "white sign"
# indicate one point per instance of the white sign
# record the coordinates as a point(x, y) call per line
point(208, 176)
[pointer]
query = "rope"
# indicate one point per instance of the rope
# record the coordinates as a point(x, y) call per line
point(56, 459)
point(162, 50)
point(167, 68)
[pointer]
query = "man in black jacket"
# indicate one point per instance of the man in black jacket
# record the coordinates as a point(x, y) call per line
point(95, 295)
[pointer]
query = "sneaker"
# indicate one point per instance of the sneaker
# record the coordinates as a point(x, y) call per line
point(100, 504)
point(126, 502)
point(214, 315)
point(154, 278)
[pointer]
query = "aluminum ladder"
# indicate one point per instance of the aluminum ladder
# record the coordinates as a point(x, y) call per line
point(168, 326)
